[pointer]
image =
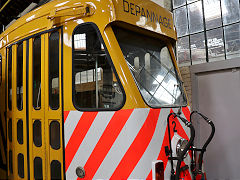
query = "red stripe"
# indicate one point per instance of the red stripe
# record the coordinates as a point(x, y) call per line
point(186, 113)
point(78, 135)
point(138, 147)
point(106, 141)
point(149, 175)
point(66, 113)
point(162, 155)
point(185, 174)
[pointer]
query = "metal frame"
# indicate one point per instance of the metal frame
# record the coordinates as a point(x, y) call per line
point(205, 30)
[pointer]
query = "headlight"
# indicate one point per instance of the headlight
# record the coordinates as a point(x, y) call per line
point(181, 144)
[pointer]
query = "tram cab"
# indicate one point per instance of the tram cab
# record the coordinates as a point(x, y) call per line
point(86, 92)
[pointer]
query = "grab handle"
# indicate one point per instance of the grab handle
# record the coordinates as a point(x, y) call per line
point(203, 149)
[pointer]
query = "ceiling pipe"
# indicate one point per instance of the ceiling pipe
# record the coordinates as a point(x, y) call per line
point(4, 5)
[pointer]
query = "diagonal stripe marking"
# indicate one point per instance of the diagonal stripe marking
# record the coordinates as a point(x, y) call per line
point(186, 113)
point(78, 135)
point(144, 165)
point(162, 155)
point(66, 113)
point(106, 141)
point(138, 146)
point(122, 143)
point(70, 124)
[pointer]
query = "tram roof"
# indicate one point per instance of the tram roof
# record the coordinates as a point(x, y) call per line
point(142, 13)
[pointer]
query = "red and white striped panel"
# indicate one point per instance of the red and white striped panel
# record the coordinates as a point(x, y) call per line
point(117, 144)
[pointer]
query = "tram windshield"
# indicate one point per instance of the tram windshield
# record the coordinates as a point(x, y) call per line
point(152, 67)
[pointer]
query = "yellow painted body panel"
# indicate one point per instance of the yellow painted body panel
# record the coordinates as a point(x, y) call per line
point(140, 15)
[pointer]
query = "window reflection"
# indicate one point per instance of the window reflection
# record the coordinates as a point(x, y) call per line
point(152, 68)
point(95, 84)
point(183, 51)
point(212, 13)
point(177, 3)
point(181, 21)
point(215, 44)
point(198, 48)
point(222, 21)
point(195, 17)
point(231, 11)
point(232, 38)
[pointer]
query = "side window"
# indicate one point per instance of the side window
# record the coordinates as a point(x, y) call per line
point(20, 76)
point(0, 69)
point(94, 82)
point(54, 70)
point(37, 73)
point(10, 78)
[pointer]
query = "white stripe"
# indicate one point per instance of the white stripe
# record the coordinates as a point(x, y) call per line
point(70, 124)
point(122, 143)
point(92, 137)
point(167, 172)
point(144, 166)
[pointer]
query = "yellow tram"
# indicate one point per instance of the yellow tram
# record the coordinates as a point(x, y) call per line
point(85, 91)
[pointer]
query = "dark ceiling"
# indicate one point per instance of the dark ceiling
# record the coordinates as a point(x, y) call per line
point(13, 8)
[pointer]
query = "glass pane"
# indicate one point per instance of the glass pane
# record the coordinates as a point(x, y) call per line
point(38, 168)
point(177, 3)
point(37, 73)
point(21, 165)
point(230, 11)
point(183, 51)
point(20, 76)
point(215, 45)
point(195, 16)
point(37, 133)
point(190, 1)
point(152, 67)
point(55, 135)
point(10, 78)
point(20, 131)
point(54, 70)
point(212, 13)
point(10, 130)
point(232, 38)
point(96, 85)
point(56, 170)
point(10, 163)
point(180, 16)
point(198, 50)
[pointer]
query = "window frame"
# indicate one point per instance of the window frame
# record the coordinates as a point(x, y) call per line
point(205, 30)
point(178, 77)
point(110, 63)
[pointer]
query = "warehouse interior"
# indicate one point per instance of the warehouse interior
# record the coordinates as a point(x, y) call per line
point(208, 54)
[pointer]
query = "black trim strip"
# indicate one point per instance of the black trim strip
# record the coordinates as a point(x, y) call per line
point(63, 142)
point(109, 59)
point(27, 106)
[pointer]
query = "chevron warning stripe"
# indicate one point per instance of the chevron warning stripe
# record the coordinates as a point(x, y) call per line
point(121, 144)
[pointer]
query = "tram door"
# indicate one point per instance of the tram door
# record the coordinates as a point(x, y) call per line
point(35, 108)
